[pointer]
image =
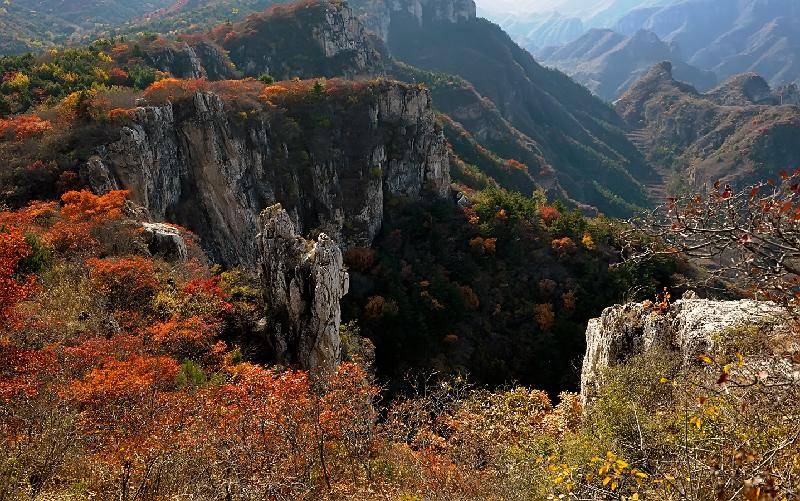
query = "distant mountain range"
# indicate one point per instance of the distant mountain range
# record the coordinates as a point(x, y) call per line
point(543, 23)
point(729, 36)
point(607, 62)
point(739, 132)
point(726, 37)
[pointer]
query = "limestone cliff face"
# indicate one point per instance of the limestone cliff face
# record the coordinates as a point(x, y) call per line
point(377, 15)
point(303, 282)
point(201, 59)
point(321, 38)
point(333, 161)
point(691, 327)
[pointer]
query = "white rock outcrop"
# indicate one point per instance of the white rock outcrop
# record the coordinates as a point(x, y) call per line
point(689, 328)
point(166, 241)
point(303, 282)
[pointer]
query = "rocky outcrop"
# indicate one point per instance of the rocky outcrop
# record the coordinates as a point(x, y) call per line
point(788, 95)
point(319, 38)
point(201, 59)
point(439, 11)
point(303, 282)
point(689, 328)
point(377, 15)
point(165, 241)
point(743, 90)
point(658, 80)
point(334, 164)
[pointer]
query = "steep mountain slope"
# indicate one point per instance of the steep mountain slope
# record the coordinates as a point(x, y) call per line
point(738, 132)
point(729, 36)
point(579, 136)
point(607, 63)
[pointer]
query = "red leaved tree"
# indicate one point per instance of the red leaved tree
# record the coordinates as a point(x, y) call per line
point(750, 237)
point(14, 288)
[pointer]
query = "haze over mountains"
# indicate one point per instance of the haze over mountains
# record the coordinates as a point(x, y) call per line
point(541, 23)
point(729, 36)
point(608, 63)
point(725, 37)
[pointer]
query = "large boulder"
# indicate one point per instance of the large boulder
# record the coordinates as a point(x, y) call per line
point(166, 241)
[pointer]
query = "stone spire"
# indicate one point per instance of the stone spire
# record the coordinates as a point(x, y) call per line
point(303, 282)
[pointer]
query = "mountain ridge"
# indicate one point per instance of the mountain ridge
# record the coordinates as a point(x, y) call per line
point(736, 133)
point(607, 62)
point(729, 37)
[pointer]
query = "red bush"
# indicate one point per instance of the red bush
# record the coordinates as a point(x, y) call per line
point(549, 214)
point(564, 246)
point(514, 164)
point(125, 379)
point(23, 127)
point(184, 337)
point(126, 283)
point(118, 76)
point(82, 214)
point(13, 288)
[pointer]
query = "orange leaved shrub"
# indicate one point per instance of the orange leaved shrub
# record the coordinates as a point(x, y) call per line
point(125, 283)
point(13, 287)
point(23, 127)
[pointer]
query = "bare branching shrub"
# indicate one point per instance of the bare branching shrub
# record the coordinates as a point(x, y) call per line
point(751, 237)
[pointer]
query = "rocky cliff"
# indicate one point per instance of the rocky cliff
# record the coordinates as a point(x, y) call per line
point(198, 59)
point(377, 15)
point(688, 328)
point(314, 38)
point(333, 159)
point(303, 282)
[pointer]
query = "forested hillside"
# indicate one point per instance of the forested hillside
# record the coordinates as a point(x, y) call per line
point(318, 250)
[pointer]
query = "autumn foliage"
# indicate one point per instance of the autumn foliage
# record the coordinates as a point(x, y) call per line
point(14, 286)
point(124, 376)
point(125, 283)
point(23, 127)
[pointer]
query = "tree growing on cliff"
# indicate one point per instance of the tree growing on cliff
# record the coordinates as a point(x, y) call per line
point(751, 237)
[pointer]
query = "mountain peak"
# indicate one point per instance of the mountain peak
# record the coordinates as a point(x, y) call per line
point(657, 80)
point(742, 90)
point(660, 71)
